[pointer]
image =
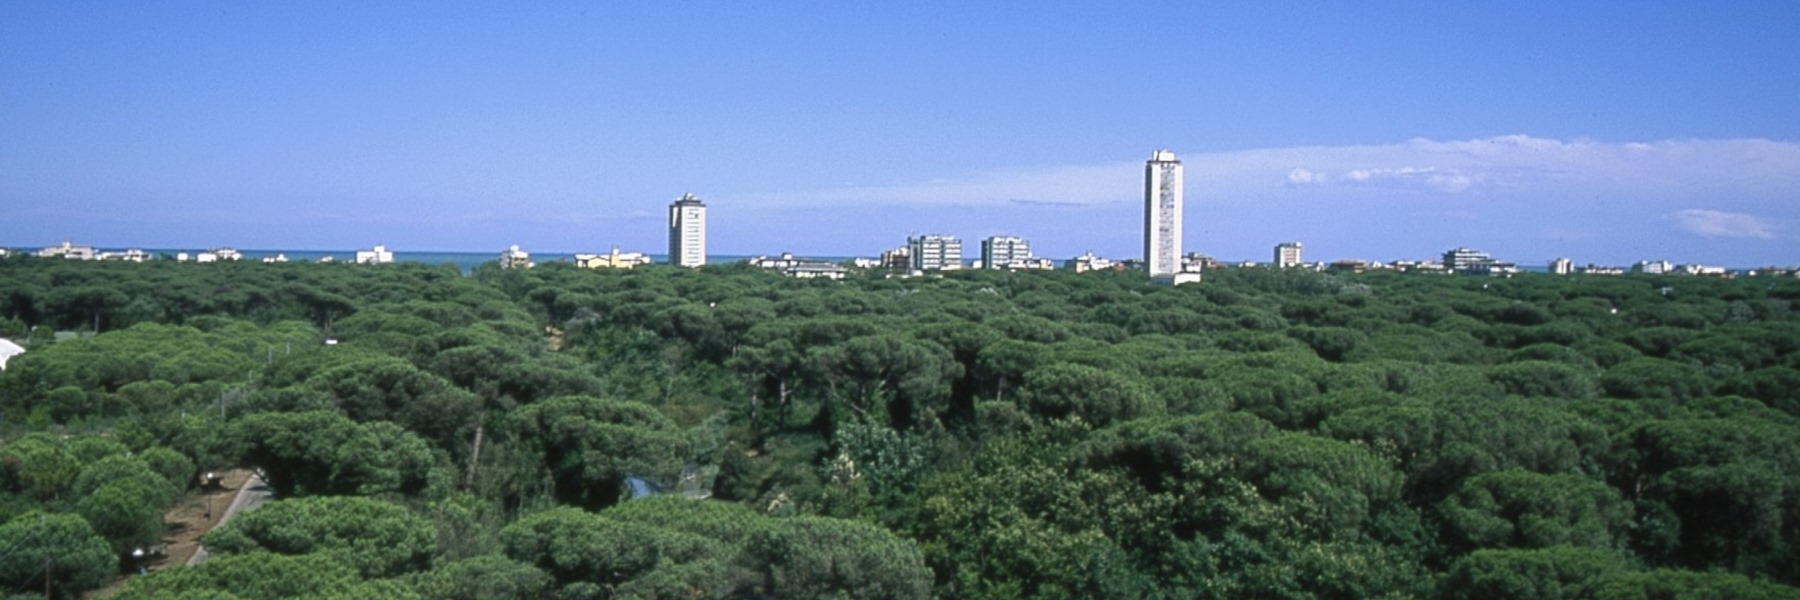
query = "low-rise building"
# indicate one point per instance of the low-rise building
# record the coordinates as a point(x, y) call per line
point(218, 254)
point(1418, 266)
point(514, 258)
point(1774, 271)
point(277, 258)
point(1180, 278)
point(614, 260)
point(1195, 262)
point(1562, 266)
point(377, 255)
point(801, 268)
point(132, 255)
point(1089, 262)
point(1593, 269)
point(1466, 260)
point(1653, 267)
point(69, 251)
point(1706, 270)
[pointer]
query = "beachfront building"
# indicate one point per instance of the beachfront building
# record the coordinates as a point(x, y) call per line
point(69, 251)
point(615, 260)
point(375, 256)
point(800, 268)
point(1162, 220)
point(687, 231)
point(935, 252)
point(218, 254)
point(514, 258)
point(1005, 252)
point(1287, 255)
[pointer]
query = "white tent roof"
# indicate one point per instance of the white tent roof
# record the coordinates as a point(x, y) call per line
point(7, 350)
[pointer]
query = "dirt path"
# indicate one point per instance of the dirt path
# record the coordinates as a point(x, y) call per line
point(186, 522)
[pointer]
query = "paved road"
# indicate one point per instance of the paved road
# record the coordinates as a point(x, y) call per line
point(253, 493)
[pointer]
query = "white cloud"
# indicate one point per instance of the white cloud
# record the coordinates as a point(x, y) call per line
point(1300, 176)
point(1430, 178)
point(1721, 224)
point(1511, 166)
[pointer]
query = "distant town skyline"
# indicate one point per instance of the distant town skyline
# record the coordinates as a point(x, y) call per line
point(1607, 132)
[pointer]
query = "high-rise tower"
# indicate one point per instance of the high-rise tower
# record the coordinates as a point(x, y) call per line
point(687, 232)
point(1162, 215)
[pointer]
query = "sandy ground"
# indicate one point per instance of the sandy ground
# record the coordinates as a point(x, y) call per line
point(186, 522)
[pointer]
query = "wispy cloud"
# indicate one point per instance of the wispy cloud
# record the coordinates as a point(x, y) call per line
point(1503, 166)
point(1721, 224)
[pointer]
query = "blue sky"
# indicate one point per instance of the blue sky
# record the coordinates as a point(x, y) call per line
point(1609, 132)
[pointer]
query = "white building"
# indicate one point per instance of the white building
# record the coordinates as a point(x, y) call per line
point(800, 268)
point(1196, 263)
point(69, 251)
point(615, 260)
point(378, 255)
point(1006, 252)
point(1287, 255)
point(514, 258)
point(1089, 262)
point(1562, 266)
point(131, 255)
point(1162, 220)
point(897, 259)
point(1162, 214)
point(1463, 260)
point(1711, 270)
point(935, 252)
point(1653, 267)
point(8, 350)
point(279, 257)
point(687, 232)
point(218, 254)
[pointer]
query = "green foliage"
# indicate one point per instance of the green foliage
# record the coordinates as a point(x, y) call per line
point(127, 512)
point(1522, 509)
point(1655, 378)
point(262, 575)
point(591, 445)
point(77, 558)
point(1069, 390)
point(378, 539)
point(823, 558)
point(327, 453)
point(577, 548)
point(1543, 379)
point(482, 578)
point(1547, 573)
point(1267, 434)
point(39, 465)
point(394, 390)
